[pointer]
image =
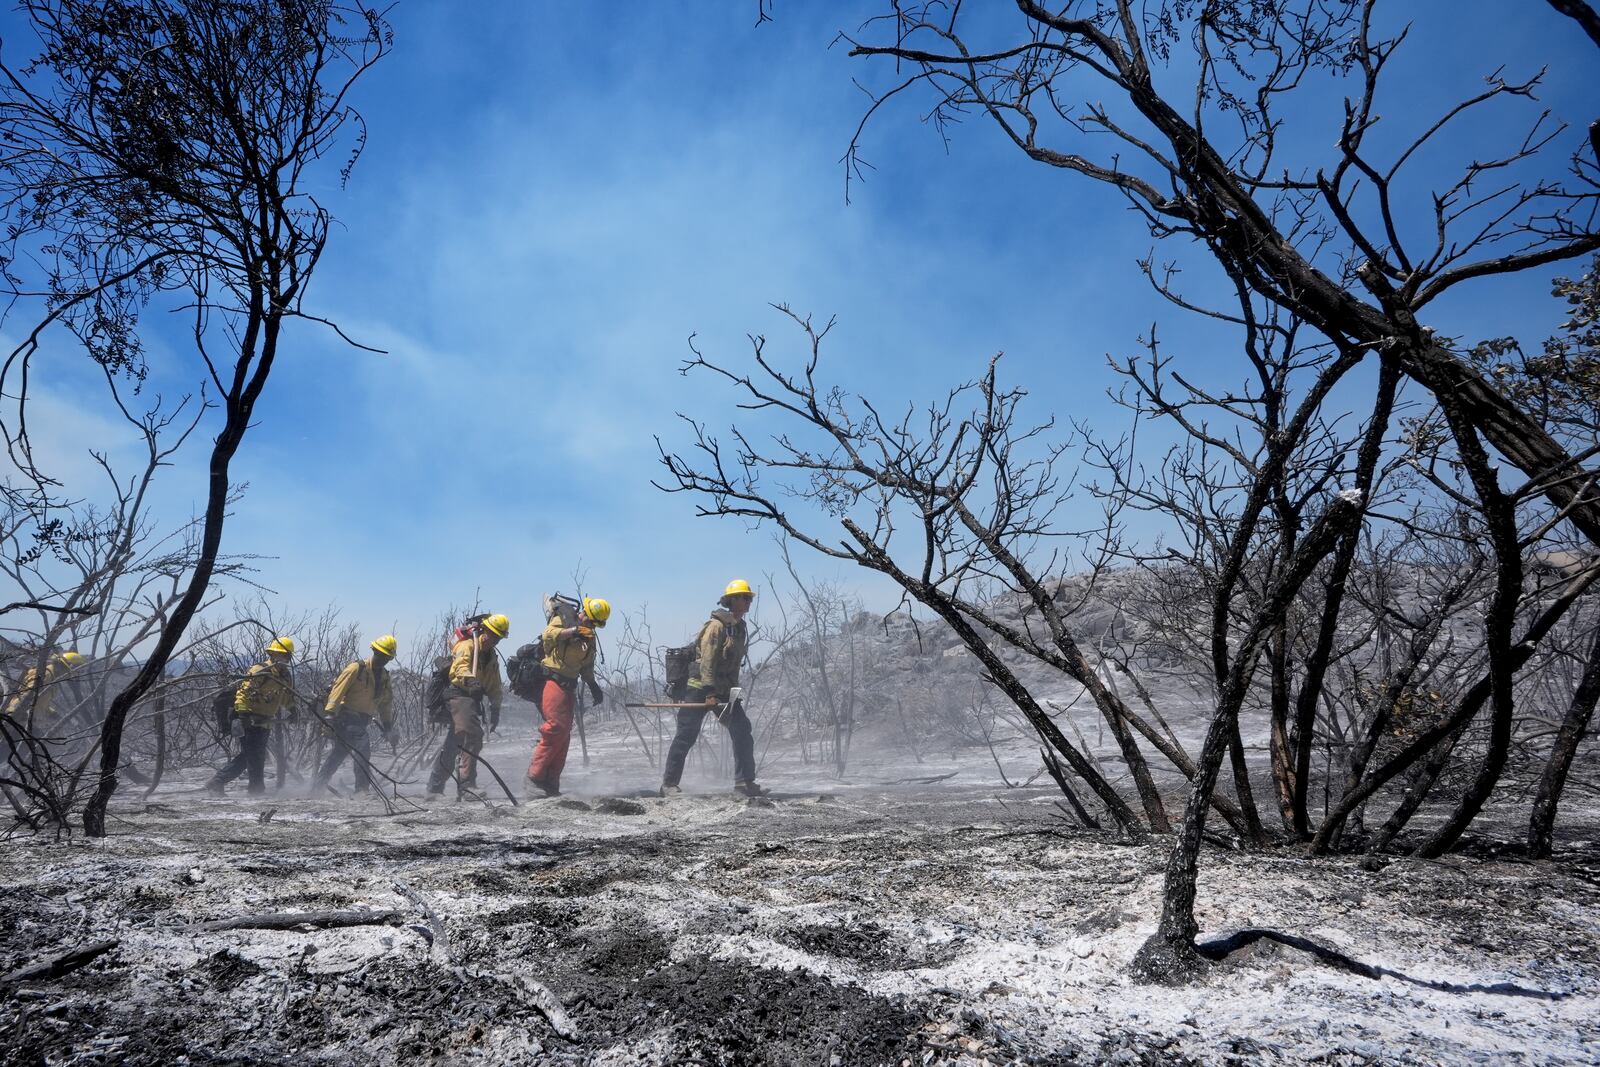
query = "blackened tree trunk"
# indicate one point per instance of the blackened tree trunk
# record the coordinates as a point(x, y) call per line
point(159, 147)
point(1468, 706)
point(1500, 513)
point(1421, 782)
point(1282, 754)
point(1541, 824)
point(217, 492)
point(1003, 678)
point(159, 723)
point(1241, 785)
point(1169, 955)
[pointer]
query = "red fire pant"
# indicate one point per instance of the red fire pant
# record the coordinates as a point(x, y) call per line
point(555, 734)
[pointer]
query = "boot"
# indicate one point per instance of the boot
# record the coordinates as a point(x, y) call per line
point(749, 789)
point(216, 787)
point(671, 790)
point(544, 790)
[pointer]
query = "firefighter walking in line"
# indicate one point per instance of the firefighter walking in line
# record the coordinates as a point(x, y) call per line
point(360, 695)
point(474, 679)
point(569, 654)
point(721, 647)
point(34, 697)
point(266, 690)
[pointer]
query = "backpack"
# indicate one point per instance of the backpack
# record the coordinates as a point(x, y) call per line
point(433, 696)
point(525, 671)
point(682, 661)
point(680, 665)
point(222, 707)
point(565, 606)
point(319, 710)
point(470, 627)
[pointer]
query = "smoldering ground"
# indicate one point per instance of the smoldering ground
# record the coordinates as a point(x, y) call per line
point(850, 923)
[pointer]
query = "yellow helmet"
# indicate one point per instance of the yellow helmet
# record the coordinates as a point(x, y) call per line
point(282, 644)
point(739, 587)
point(71, 659)
point(387, 645)
point(598, 610)
point(498, 625)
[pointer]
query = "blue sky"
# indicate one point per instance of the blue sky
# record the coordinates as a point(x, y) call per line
point(554, 197)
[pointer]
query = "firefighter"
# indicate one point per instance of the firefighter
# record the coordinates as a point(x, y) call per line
point(569, 656)
point(266, 690)
point(34, 696)
point(474, 679)
point(721, 647)
point(360, 695)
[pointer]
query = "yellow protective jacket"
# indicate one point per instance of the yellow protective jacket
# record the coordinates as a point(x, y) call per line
point(473, 670)
point(569, 656)
point(23, 702)
point(722, 646)
point(265, 691)
point(363, 690)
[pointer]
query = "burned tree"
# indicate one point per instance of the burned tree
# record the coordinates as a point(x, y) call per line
point(1278, 497)
point(960, 505)
point(101, 577)
point(824, 690)
point(157, 150)
point(1200, 155)
point(957, 504)
point(1321, 242)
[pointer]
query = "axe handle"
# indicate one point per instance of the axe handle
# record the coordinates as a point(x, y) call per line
point(698, 705)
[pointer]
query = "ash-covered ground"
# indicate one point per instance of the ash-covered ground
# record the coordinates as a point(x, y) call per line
point(854, 922)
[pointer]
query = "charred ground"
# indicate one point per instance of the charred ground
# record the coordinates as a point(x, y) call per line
point(861, 925)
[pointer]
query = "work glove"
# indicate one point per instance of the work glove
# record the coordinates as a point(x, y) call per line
point(596, 693)
point(494, 718)
point(585, 632)
point(472, 687)
point(392, 736)
point(711, 700)
point(237, 729)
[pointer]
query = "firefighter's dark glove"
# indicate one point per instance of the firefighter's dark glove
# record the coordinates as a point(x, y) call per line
point(494, 718)
point(596, 693)
point(472, 687)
